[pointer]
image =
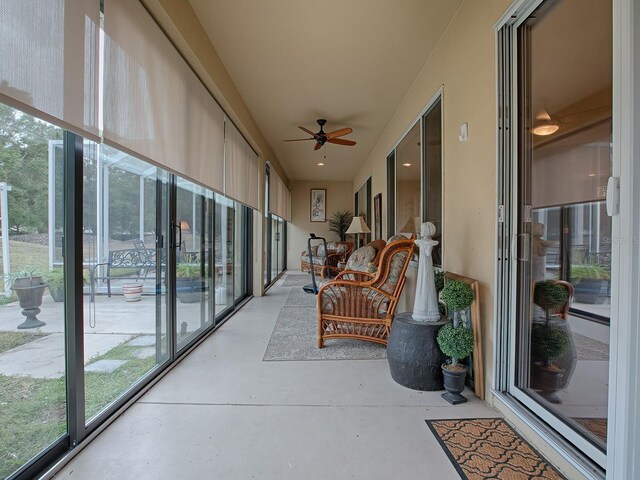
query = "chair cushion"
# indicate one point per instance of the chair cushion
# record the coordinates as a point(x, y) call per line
point(361, 259)
point(395, 269)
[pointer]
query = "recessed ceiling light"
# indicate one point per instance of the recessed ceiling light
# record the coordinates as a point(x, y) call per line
point(406, 164)
point(592, 174)
point(320, 164)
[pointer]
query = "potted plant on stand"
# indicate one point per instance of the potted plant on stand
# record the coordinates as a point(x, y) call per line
point(29, 287)
point(455, 339)
point(588, 280)
point(189, 284)
point(549, 341)
point(339, 223)
point(55, 281)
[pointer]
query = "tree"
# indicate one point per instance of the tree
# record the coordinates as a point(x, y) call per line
point(24, 143)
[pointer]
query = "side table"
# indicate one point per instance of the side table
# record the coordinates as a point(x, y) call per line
point(413, 353)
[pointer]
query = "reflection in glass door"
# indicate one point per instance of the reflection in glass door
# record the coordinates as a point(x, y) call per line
point(564, 234)
point(193, 233)
point(224, 262)
point(125, 321)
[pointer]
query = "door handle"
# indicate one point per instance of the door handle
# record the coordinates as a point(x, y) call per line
point(523, 247)
point(613, 196)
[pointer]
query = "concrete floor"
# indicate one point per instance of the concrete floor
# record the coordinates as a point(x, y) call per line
point(224, 413)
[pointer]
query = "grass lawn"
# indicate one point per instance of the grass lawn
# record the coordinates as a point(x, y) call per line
point(22, 254)
point(33, 410)
point(9, 340)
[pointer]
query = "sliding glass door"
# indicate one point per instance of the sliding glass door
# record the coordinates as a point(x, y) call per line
point(564, 234)
point(194, 260)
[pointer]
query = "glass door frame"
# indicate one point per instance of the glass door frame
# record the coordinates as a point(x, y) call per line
point(623, 435)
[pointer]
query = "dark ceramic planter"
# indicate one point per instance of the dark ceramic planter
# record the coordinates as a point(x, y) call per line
point(190, 290)
point(588, 290)
point(454, 385)
point(546, 380)
point(413, 353)
point(29, 291)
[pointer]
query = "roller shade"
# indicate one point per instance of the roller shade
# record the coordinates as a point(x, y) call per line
point(241, 168)
point(279, 196)
point(49, 61)
point(155, 106)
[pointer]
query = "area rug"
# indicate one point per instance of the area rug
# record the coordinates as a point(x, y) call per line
point(295, 336)
point(296, 280)
point(597, 426)
point(483, 448)
point(588, 348)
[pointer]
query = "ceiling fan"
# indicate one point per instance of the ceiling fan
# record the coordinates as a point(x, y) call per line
point(323, 137)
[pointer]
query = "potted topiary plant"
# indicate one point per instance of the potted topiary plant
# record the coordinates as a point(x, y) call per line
point(549, 341)
point(339, 223)
point(455, 339)
point(588, 280)
point(29, 287)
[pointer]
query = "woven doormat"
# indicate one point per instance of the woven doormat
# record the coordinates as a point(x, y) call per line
point(483, 448)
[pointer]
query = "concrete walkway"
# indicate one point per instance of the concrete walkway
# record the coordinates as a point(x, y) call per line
point(108, 322)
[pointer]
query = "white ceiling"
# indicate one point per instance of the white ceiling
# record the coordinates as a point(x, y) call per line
point(295, 61)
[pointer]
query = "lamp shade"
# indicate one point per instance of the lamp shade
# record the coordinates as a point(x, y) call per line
point(358, 225)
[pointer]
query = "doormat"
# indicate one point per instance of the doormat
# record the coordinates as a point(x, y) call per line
point(597, 426)
point(483, 448)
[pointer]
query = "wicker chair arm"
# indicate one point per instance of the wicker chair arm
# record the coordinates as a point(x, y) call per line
point(354, 299)
point(359, 276)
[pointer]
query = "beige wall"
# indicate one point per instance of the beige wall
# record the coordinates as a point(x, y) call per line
point(463, 64)
point(339, 197)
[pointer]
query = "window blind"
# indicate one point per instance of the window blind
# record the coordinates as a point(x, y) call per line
point(155, 106)
point(241, 168)
point(279, 196)
point(49, 61)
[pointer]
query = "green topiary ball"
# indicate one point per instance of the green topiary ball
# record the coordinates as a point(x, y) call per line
point(455, 342)
point(457, 295)
point(550, 295)
point(548, 341)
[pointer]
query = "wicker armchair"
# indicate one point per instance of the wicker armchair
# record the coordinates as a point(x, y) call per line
point(364, 308)
point(326, 262)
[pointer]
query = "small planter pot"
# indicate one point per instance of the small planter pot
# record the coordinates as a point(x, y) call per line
point(29, 291)
point(57, 293)
point(132, 292)
point(588, 290)
point(190, 290)
point(454, 383)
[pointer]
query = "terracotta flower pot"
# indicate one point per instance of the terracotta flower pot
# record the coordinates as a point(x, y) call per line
point(132, 292)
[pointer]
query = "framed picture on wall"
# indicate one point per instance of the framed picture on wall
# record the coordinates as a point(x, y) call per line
point(318, 207)
point(377, 217)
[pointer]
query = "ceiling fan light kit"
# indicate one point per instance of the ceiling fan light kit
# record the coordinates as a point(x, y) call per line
point(322, 137)
point(545, 127)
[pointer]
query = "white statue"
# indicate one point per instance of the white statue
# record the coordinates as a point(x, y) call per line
point(539, 250)
point(425, 306)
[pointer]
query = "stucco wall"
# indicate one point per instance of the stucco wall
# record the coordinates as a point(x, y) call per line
point(339, 197)
point(464, 65)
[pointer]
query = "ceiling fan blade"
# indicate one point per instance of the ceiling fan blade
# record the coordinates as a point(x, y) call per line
point(339, 133)
point(317, 147)
point(341, 141)
point(305, 130)
point(299, 140)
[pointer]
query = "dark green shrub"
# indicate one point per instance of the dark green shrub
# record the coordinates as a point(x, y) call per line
point(439, 280)
point(548, 341)
point(455, 342)
point(550, 295)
